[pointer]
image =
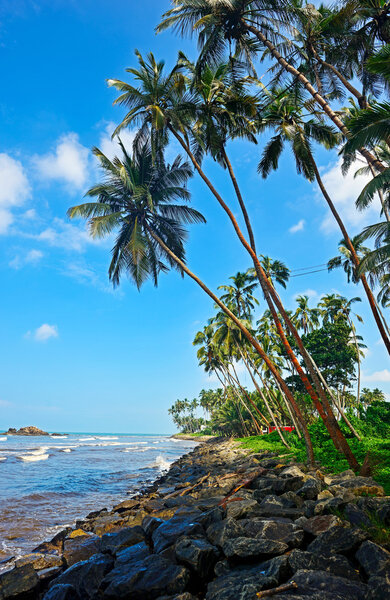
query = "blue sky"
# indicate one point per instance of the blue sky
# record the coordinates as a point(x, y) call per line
point(74, 354)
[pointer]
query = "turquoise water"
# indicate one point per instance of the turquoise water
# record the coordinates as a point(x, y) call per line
point(49, 482)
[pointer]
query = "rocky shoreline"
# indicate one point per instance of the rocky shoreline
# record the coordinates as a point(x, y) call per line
point(222, 524)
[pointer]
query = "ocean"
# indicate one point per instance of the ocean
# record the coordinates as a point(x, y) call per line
point(47, 483)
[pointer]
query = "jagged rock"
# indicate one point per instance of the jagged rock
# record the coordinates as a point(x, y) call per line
point(272, 501)
point(185, 596)
point(55, 545)
point(29, 430)
point(242, 548)
point(46, 575)
point(338, 539)
point(293, 498)
point(359, 485)
point(320, 523)
point(115, 542)
point(218, 533)
point(276, 568)
point(326, 507)
point(86, 576)
point(238, 584)
point(133, 554)
point(356, 515)
point(148, 579)
point(62, 592)
point(150, 524)
point(288, 533)
point(319, 585)
point(335, 564)
point(310, 489)
point(170, 531)
point(20, 583)
point(374, 559)
point(80, 548)
point(197, 554)
point(292, 471)
point(378, 588)
point(126, 505)
point(39, 561)
point(241, 508)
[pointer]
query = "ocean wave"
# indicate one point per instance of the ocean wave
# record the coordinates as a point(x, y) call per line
point(174, 440)
point(32, 457)
point(88, 439)
point(106, 437)
point(59, 437)
point(66, 449)
point(3, 438)
point(3, 458)
point(160, 463)
point(137, 449)
point(40, 450)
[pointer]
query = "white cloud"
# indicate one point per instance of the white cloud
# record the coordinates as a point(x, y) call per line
point(300, 226)
point(14, 189)
point(377, 376)
point(69, 162)
point(343, 192)
point(43, 333)
point(110, 147)
point(30, 214)
point(65, 235)
point(309, 292)
point(31, 258)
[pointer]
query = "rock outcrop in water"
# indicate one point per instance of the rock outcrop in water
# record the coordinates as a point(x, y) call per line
point(221, 525)
point(29, 430)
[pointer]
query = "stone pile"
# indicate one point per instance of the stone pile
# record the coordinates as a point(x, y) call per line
point(222, 524)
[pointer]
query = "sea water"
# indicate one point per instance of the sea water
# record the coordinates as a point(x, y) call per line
point(49, 482)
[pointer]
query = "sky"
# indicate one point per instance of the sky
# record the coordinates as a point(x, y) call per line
point(75, 355)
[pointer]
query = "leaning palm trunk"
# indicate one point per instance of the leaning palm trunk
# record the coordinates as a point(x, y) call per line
point(233, 380)
point(243, 329)
point(354, 256)
point(371, 159)
point(323, 407)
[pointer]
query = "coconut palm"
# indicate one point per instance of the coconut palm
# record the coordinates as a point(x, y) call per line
point(249, 25)
point(240, 294)
point(344, 259)
point(306, 318)
point(275, 271)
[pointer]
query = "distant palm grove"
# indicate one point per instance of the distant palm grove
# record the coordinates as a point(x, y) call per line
point(279, 75)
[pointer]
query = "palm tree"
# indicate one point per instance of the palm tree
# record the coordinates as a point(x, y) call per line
point(249, 25)
point(240, 293)
point(166, 108)
point(275, 270)
point(344, 259)
point(136, 198)
point(306, 318)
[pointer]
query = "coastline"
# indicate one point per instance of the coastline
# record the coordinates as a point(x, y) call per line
point(193, 437)
point(220, 520)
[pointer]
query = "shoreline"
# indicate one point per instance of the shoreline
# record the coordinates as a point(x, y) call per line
point(193, 437)
point(220, 519)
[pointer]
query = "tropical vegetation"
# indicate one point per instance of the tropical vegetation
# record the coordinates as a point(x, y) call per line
point(324, 86)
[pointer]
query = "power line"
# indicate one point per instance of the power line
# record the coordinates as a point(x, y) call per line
point(306, 268)
point(308, 273)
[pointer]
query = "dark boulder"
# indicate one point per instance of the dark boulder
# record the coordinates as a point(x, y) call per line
point(288, 533)
point(242, 548)
point(197, 554)
point(378, 588)
point(80, 548)
point(20, 583)
point(218, 533)
point(170, 531)
point(115, 542)
point(86, 576)
point(62, 592)
point(148, 579)
point(319, 585)
point(276, 568)
point(356, 515)
point(320, 523)
point(238, 584)
point(310, 489)
point(342, 540)
point(374, 559)
point(335, 564)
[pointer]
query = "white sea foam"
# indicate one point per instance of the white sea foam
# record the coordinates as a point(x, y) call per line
point(65, 449)
point(106, 437)
point(137, 449)
point(174, 440)
point(39, 451)
point(3, 458)
point(3, 438)
point(161, 463)
point(32, 457)
point(88, 439)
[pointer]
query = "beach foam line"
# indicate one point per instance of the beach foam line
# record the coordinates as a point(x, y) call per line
point(3, 458)
point(3, 438)
point(32, 457)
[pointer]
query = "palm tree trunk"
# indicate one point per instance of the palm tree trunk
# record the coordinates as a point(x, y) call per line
point(247, 335)
point(354, 256)
point(358, 95)
point(327, 415)
point(293, 419)
point(249, 398)
point(377, 164)
point(236, 380)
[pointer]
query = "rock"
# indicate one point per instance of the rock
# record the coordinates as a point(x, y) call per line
point(46, 575)
point(170, 531)
point(374, 559)
point(356, 515)
point(272, 501)
point(80, 548)
point(276, 568)
point(335, 564)
point(378, 588)
point(86, 576)
point(219, 533)
point(115, 542)
point(126, 505)
point(29, 430)
point(150, 524)
point(310, 489)
point(185, 596)
point(133, 554)
point(242, 548)
point(62, 592)
point(197, 554)
point(20, 583)
point(320, 524)
point(113, 522)
point(238, 584)
point(55, 545)
point(338, 539)
point(240, 509)
point(329, 506)
point(288, 533)
point(148, 579)
point(39, 561)
point(359, 485)
point(292, 471)
point(319, 585)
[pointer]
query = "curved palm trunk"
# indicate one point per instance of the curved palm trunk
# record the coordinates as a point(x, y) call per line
point(236, 380)
point(354, 256)
point(237, 402)
point(293, 419)
point(246, 333)
point(377, 164)
point(323, 407)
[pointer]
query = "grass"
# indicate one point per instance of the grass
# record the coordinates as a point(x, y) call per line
point(326, 454)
